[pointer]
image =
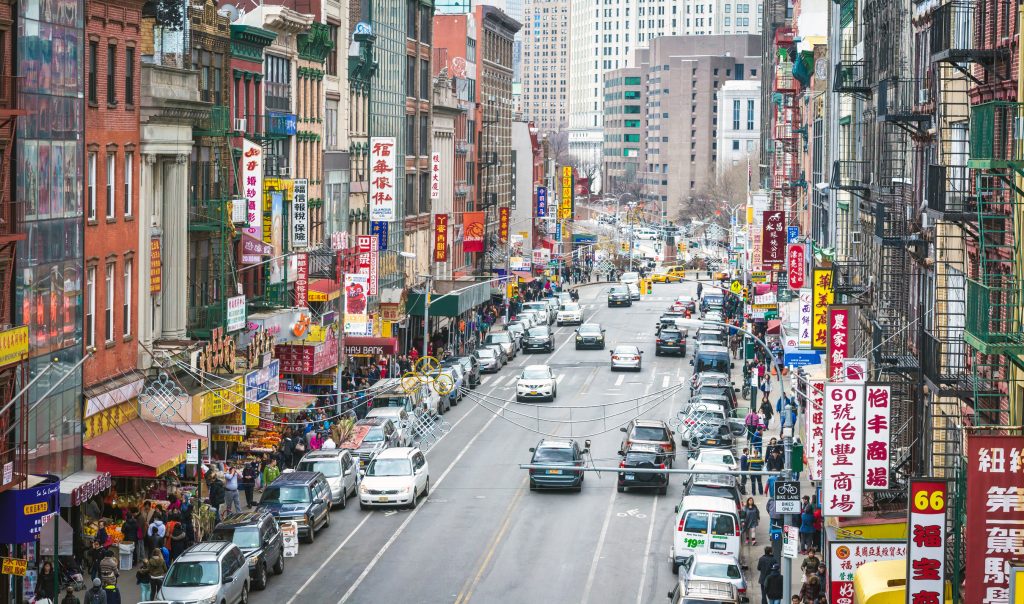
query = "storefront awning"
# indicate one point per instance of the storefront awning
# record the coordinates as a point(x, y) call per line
point(82, 486)
point(294, 401)
point(524, 276)
point(365, 345)
point(139, 449)
point(774, 325)
point(323, 290)
point(795, 357)
point(452, 304)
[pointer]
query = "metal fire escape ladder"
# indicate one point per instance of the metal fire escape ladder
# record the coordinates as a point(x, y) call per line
point(957, 41)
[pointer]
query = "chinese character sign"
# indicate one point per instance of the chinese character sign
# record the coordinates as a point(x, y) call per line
point(252, 186)
point(806, 299)
point(995, 515)
point(356, 318)
point(380, 229)
point(845, 557)
point(822, 296)
point(843, 478)
point(876, 438)
point(773, 237)
point(300, 216)
point(503, 225)
point(926, 542)
point(440, 238)
point(815, 417)
point(565, 209)
point(382, 177)
point(542, 202)
point(796, 265)
point(473, 227)
point(367, 247)
point(838, 330)
point(301, 280)
point(435, 175)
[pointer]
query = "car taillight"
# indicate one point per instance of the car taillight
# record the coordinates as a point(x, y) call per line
point(666, 446)
point(661, 466)
point(532, 472)
point(742, 590)
point(737, 531)
point(629, 444)
point(622, 464)
point(657, 341)
point(615, 358)
point(680, 527)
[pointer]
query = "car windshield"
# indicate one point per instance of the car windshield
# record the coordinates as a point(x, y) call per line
point(620, 290)
point(329, 467)
point(571, 307)
point(717, 364)
point(376, 434)
point(296, 494)
point(389, 467)
point(193, 574)
point(245, 537)
point(501, 338)
point(627, 350)
point(649, 433)
point(553, 454)
point(671, 334)
point(538, 332)
point(536, 374)
point(635, 458)
point(629, 277)
point(515, 327)
point(590, 329)
point(485, 353)
point(714, 391)
point(715, 570)
point(704, 490)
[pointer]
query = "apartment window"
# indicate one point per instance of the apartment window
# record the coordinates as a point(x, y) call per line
point(424, 193)
point(736, 114)
point(424, 134)
point(129, 178)
point(94, 49)
point(210, 66)
point(126, 310)
point(111, 74)
point(735, 145)
point(331, 124)
point(332, 57)
point(410, 134)
point(109, 308)
point(92, 186)
point(129, 76)
point(90, 307)
point(111, 177)
point(425, 79)
point(426, 29)
point(277, 83)
point(410, 18)
point(750, 114)
point(410, 76)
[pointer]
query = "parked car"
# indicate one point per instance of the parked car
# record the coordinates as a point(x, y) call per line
point(713, 484)
point(539, 338)
point(214, 571)
point(670, 341)
point(340, 469)
point(517, 329)
point(304, 497)
point(630, 277)
point(703, 592)
point(619, 295)
point(489, 360)
point(716, 567)
point(391, 392)
point(560, 457)
point(626, 357)
point(717, 457)
point(570, 314)
point(370, 436)
point(542, 308)
point(470, 369)
point(536, 381)
point(503, 339)
point(402, 420)
point(256, 534)
point(458, 383)
point(711, 358)
point(647, 457)
point(590, 335)
point(395, 477)
point(652, 432)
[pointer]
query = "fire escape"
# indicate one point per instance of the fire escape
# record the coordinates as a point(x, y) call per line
point(785, 121)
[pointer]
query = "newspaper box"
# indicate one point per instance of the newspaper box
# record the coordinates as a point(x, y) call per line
point(290, 536)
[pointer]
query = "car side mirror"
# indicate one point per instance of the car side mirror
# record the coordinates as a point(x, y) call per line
point(623, 429)
point(691, 361)
point(228, 579)
point(621, 453)
point(586, 444)
point(533, 450)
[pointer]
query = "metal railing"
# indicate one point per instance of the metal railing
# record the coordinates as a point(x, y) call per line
point(948, 191)
point(850, 175)
point(851, 76)
point(996, 134)
point(902, 99)
point(954, 32)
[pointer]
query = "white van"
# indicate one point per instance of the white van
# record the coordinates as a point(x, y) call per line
point(704, 525)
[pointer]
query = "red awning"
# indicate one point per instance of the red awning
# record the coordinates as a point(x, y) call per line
point(139, 449)
point(366, 345)
point(773, 326)
point(295, 401)
point(323, 290)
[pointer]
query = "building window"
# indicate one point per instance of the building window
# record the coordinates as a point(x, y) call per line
point(277, 83)
point(425, 79)
point(92, 186)
point(129, 178)
point(331, 124)
point(410, 18)
point(410, 134)
point(424, 193)
point(750, 114)
point(735, 145)
point(426, 29)
point(210, 66)
point(126, 311)
point(736, 114)
point(94, 49)
point(90, 307)
point(111, 74)
point(410, 76)
point(111, 177)
point(424, 134)
point(109, 308)
point(129, 76)
point(332, 57)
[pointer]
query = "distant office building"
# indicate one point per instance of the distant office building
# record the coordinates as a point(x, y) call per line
point(739, 109)
point(623, 128)
point(718, 17)
point(545, 64)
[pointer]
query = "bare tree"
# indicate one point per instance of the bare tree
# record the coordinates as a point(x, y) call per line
point(711, 203)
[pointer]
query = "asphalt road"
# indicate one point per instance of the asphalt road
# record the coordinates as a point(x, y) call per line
point(482, 536)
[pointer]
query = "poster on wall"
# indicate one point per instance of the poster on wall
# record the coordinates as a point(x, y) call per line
point(236, 313)
point(843, 484)
point(273, 233)
point(252, 186)
point(382, 177)
point(357, 321)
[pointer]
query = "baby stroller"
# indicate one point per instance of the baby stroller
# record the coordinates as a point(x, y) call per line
point(70, 573)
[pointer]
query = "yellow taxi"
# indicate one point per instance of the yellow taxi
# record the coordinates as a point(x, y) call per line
point(673, 274)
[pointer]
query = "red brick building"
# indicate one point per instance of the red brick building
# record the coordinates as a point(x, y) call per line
point(112, 160)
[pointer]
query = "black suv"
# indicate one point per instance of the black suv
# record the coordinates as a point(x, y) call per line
point(257, 535)
point(709, 434)
point(618, 295)
point(670, 341)
point(304, 497)
point(647, 457)
point(539, 337)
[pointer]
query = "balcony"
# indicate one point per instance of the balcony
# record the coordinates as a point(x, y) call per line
point(784, 80)
point(271, 126)
point(944, 365)
point(901, 102)
point(202, 320)
point(990, 328)
point(948, 195)
point(208, 215)
point(217, 124)
point(995, 135)
point(850, 175)
point(891, 226)
point(851, 77)
point(785, 120)
point(850, 279)
point(955, 37)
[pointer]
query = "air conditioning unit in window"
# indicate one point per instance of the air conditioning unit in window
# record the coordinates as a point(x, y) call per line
point(239, 124)
point(855, 237)
point(284, 172)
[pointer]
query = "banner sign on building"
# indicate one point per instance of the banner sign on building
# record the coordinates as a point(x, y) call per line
point(838, 322)
point(473, 228)
point(815, 428)
point(876, 445)
point(565, 209)
point(926, 542)
point(253, 249)
point(156, 267)
point(440, 238)
point(806, 302)
point(302, 280)
point(300, 214)
point(13, 345)
point(368, 258)
point(382, 177)
point(357, 321)
point(845, 557)
point(541, 257)
point(796, 265)
point(995, 515)
point(824, 295)
point(542, 202)
point(773, 238)
point(252, 187)
point(435, 176)
point(24, 510)
point(379, 228)
point(236, 313)
point(503, 225)
point(843, 484)
point(261, 383)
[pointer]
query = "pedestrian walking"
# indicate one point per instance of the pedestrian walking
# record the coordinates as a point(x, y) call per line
point(756, 465)
point(751, 421)
point(757, 440)
point(775, 462)
point(766, 411)
point(774, 586)
point(744, 467)
point(249, 474)
point(807, 526)
point(93, 556)
point(96, 594)
point(751, 517)
point(764, 568)
point(232, 503)
point(156, 567)
point(70, 597)
point(811, 590)
point(109, 572)
point(810, 565)
point(46, 582)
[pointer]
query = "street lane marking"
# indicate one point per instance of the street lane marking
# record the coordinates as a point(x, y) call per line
point(560, 377)
point(618, 382)
point(647, 552)
point(664, 382)
point(331, 557)
point(597, 552)
point(473, 582)
point(485, 379)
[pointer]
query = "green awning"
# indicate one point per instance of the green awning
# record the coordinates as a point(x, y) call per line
point(450, 305)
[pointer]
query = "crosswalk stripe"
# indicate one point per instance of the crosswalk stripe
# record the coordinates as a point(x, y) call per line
point(485, 379)
point(618, 382)
point(560, 377)
point(664, 382)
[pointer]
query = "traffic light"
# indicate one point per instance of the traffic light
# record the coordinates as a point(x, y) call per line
point(746, 291)
point(796, 460)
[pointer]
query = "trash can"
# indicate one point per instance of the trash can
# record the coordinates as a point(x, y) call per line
point(126, 550)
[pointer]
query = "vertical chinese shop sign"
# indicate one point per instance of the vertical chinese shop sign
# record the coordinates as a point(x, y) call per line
point(843, 483)
point(995, 515)
point(302, 280)
point(440, 238)
point(838, 322)
point(773, 238)
point(382, 177)
point(542, 202)
point(796, 265)
point(815, 428)
point(823, 295)
point(565, 209)
point(503, 225)
point(876, 438)
point(435, 175)
point(926, 542)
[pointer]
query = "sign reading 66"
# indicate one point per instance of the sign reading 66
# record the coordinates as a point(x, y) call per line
point(926, 535)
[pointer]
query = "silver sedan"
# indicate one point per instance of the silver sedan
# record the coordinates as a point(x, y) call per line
point(626, 357)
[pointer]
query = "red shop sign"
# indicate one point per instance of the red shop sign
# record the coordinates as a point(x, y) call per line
point(796, 265)
point(926, 541)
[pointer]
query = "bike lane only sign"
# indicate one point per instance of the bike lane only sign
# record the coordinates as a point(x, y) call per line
point(786, 494)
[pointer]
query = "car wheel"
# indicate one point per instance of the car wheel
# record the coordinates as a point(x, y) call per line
point(578, 488)
point(363, 506)
point(519, 399)
point(533, 487)
point(244, 598)
point(426, 489)
point(327, 520)
point(412, 504)
point(279, 565)
point(663, 490)
point(261, 578)
point(675, 568)
point(621, 489)
point(312, 535)
point(344, 500)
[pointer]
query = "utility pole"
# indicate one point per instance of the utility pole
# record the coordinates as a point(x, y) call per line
point(426, 313)
point(787, 445)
